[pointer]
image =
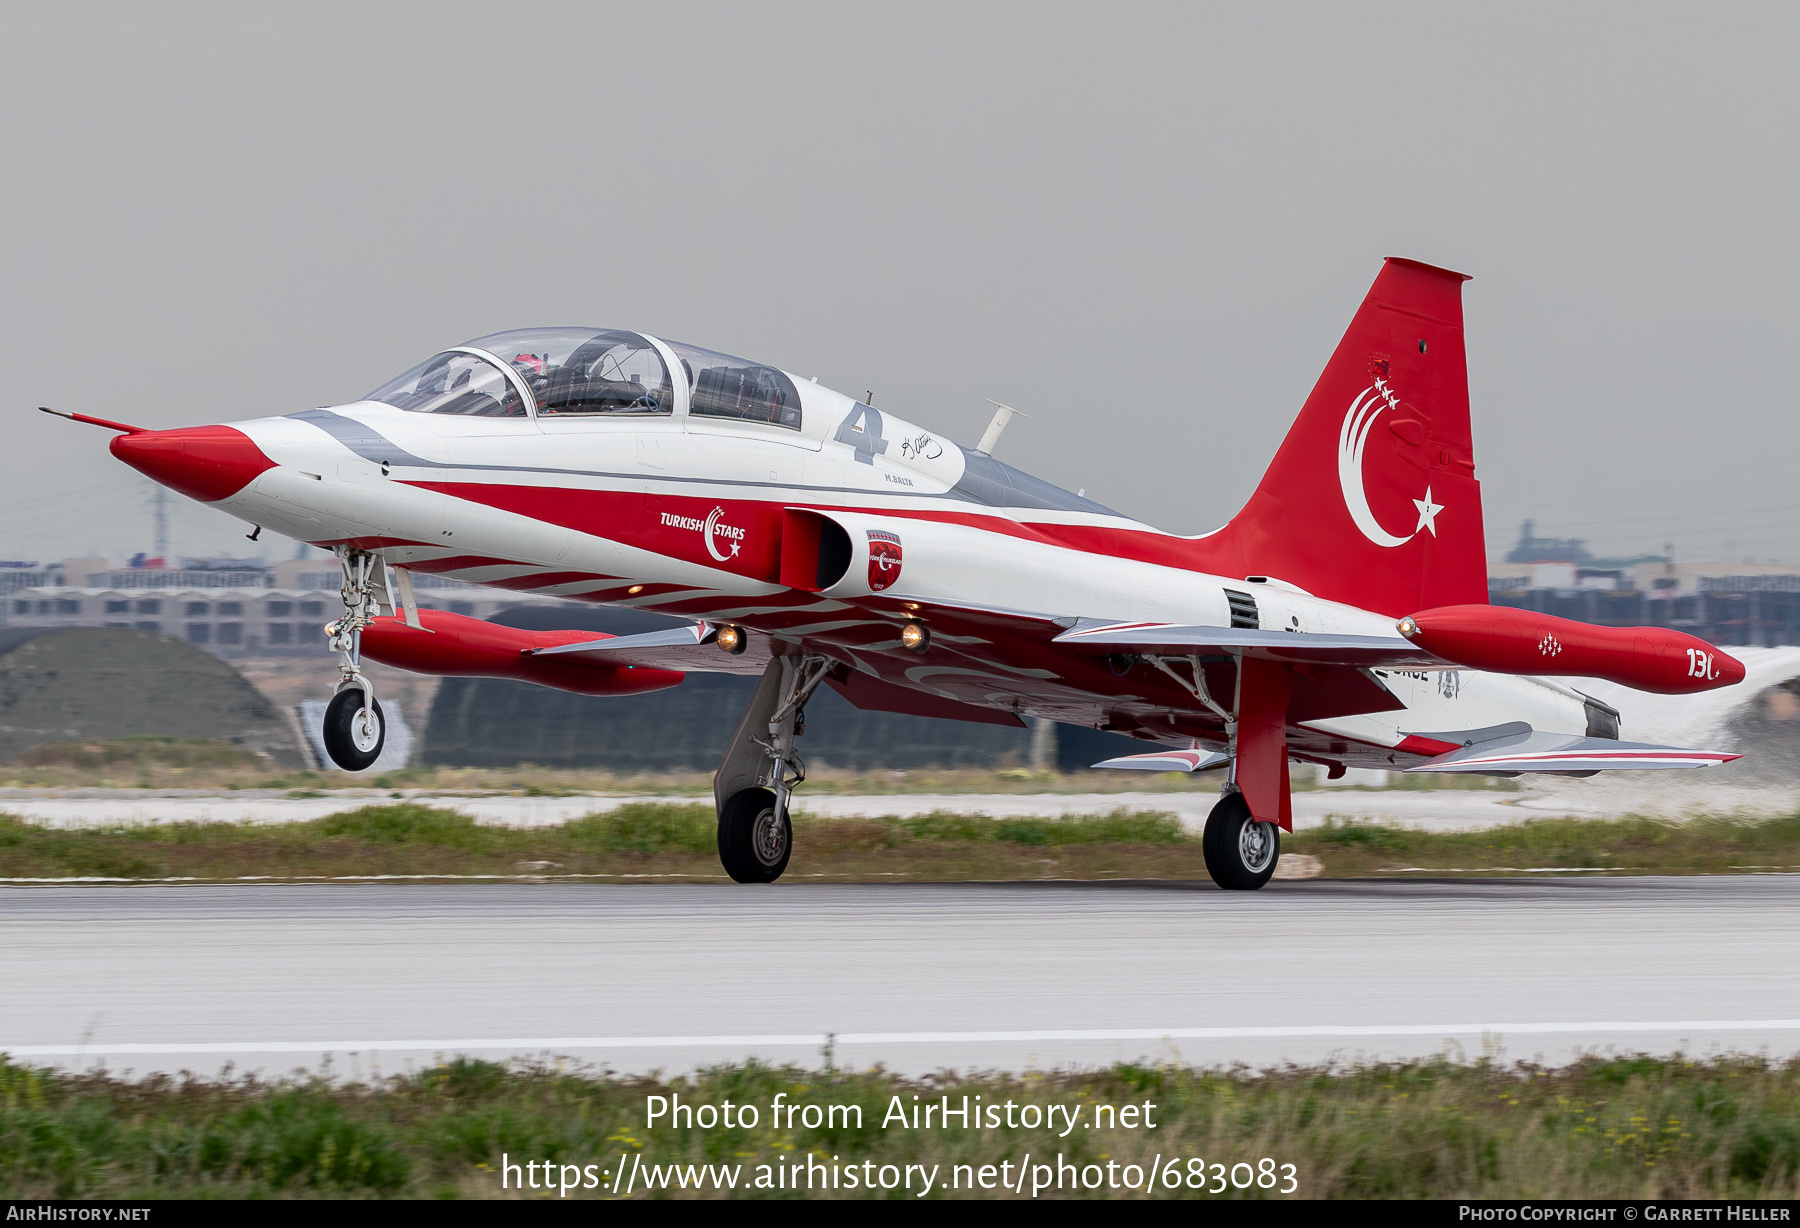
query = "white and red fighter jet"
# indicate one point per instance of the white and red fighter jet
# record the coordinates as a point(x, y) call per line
point(1340, 619)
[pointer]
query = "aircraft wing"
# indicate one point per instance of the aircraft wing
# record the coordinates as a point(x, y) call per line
point(1559, 752)
point(689, 649)
point(1297, 647)
point(1065, 667)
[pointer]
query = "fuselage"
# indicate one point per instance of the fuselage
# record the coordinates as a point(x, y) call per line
point(675, 499)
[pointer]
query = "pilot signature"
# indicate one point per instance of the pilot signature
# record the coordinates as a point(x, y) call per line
point(916, 449)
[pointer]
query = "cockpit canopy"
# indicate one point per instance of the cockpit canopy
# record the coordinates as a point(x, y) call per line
point(721, 386)
point(566, 371)
point(570, 371)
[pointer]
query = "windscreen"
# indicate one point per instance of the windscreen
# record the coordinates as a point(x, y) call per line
point(453, 383)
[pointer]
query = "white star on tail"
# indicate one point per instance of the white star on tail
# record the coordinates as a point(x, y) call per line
point(1427, 513)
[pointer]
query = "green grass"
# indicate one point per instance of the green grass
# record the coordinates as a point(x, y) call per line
point(1628, 1127)
point(138, 752)
point(677, 839)
point(650, 838)
point(1701, 845)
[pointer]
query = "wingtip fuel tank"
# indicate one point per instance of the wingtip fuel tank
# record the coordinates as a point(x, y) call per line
point(455, 645)
point(1512, 641)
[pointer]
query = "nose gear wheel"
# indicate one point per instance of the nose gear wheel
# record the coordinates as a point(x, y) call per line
point(355, 730)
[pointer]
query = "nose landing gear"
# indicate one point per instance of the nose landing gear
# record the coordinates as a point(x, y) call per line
point(355, 729)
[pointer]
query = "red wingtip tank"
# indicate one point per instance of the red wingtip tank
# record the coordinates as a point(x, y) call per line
point(459, 646)
point(1510, 641)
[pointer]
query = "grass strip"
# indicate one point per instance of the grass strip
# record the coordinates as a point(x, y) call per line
point(1625, 1127)
point(651, 838)
point(1700, 845)
point(662, 840)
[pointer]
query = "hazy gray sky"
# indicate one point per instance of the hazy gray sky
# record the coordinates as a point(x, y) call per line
point(1144, 225)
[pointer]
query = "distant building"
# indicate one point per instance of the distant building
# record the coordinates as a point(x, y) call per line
point(229, 607)
point(1723, 603)
point(1535, 549)
point(17, 575)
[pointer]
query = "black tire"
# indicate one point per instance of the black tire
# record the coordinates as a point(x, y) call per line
point(1240, 852)
point(346, 734)
point(751, 847)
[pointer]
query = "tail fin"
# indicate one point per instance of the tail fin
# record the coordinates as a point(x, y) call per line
point(1372, 499)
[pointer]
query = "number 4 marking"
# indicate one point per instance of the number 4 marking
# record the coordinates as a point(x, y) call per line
point(861, 429)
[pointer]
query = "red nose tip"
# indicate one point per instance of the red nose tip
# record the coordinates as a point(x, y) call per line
point(207, 463)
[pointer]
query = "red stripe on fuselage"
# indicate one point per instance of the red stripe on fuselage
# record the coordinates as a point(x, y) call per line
point(666, 524)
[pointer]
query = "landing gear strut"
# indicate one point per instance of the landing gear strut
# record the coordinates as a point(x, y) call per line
point(756, 779)
point(355, 729)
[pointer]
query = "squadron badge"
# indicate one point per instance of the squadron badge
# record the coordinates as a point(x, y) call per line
point(884, 559)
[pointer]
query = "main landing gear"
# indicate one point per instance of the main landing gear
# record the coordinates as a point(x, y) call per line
point(756, 778)
point(1240, 852)
point(355, 729)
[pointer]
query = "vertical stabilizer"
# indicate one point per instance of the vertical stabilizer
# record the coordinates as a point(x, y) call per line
point(1372, 498)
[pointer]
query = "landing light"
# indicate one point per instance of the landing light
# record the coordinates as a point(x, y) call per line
point(732, 640)
point(634, 590)
point(914, 637)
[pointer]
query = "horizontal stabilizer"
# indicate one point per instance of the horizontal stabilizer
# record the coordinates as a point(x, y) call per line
point(1167, 761)
point(1173, 639)
point(1561, 752)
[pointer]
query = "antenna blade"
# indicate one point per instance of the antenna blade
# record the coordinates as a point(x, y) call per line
point(1002, 415)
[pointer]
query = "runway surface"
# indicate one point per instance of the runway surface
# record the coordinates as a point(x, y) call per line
point(1436, 810)
point(380, 978)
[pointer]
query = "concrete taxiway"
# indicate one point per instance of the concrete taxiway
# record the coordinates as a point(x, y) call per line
point(380, 978)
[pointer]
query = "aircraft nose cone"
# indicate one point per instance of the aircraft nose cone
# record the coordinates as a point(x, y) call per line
point(207, 463)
